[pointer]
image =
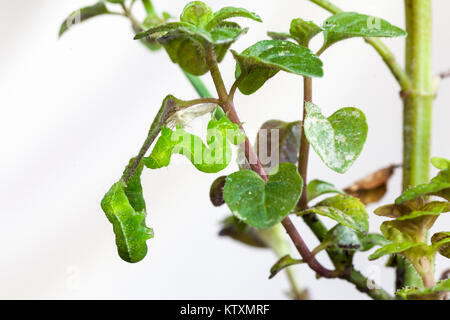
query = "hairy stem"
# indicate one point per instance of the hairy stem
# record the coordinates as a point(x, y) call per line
point(256, 166)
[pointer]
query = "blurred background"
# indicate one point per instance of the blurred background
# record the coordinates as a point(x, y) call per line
point(75, 110)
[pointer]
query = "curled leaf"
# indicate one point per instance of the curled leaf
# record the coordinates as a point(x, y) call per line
point(124, 207)
point(343, 237)
point(283, 263)
point(196, 13)
point(373, 187)
point(265, 59)
point(339, 139)
point(263, 204)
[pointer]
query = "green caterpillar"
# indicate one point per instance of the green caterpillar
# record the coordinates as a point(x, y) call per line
point(209, 159)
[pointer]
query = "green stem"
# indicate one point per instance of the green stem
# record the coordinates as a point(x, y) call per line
point(198, 85)
point(418, 104)
point(387, 55)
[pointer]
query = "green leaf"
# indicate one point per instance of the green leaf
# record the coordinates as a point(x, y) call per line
point(216, 191)
point(197, 13)
point(262, 204)
point(316, 188)
point(441, 242)
point(303, 31)
point(231, 12)
point(116, 1)
point(124, 207)
point(344, 209)
point(279, 35)
point(82, 15)
point(265, 59)
point(425, 293)
point(283, 263)
point(439, 185)
point(339, 139)
point(343, 238)
point(272, 152)
point(239, 231)
point(209, 159)
point(394, 248)
point(346, 25)
point(440, 163)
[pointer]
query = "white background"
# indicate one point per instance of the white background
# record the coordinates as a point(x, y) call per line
point(75, 110)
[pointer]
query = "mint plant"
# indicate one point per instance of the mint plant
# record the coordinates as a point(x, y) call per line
point(271, 187)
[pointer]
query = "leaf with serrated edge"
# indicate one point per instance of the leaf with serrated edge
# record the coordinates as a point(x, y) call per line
point(346, 25)
point(345, 210)
point(424, 293)
point(265, 59)
point(262, 204)
point(303, 31)
point(196, 13)
point(339, 139)
point(231, 12)
point(394, 248)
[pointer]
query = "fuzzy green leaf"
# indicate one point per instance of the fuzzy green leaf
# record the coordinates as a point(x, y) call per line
point(345, 210)
point(124, 207)
point(394, 248)
point(439, 185)
point(316, 188)
point(346, 25)
point(82, 15)
point(441, 242)
point(262, 204)
point(197, 13)
point(265, 59)
point(283, 263)
point(425, 293)
point(339, 139)
point(303, 31)
point(209, 159)
point(231, 12)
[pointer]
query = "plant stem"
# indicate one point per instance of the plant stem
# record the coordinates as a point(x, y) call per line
point(304, 144)
point(149, 6)
point(418, 103)
point(198, 85)
point(388, 57)
point(256, 166)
